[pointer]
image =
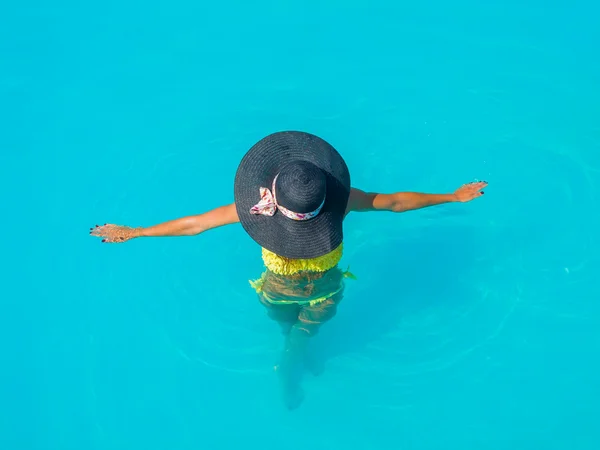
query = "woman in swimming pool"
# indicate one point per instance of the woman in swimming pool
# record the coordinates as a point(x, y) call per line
point(292, 192)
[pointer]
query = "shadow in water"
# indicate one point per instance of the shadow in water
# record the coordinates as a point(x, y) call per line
point(404, 276)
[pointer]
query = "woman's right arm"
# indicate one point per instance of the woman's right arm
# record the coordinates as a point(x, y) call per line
point(185, 226)
point(407, 201)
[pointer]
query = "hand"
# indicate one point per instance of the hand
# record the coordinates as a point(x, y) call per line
point(469, 191)
point(114, 234)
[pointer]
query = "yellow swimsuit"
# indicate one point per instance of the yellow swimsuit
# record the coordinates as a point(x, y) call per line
point(295, 270)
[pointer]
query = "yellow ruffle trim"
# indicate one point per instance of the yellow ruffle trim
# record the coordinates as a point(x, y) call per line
point(285, 266)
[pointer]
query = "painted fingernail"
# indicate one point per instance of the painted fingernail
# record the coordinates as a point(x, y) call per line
point(103, 240)
point(482, 192)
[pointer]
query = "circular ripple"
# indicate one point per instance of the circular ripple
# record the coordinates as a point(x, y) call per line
point(423, 305)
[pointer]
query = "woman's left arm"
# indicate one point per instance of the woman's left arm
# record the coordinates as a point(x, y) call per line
point(361, 201)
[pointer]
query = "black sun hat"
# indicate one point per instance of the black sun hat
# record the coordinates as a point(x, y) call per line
point(291, 190)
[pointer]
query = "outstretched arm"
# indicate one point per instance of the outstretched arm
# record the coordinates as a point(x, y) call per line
point(406, 201)
point(185, 226)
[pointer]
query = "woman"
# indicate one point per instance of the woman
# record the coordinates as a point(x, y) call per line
point(292, 192)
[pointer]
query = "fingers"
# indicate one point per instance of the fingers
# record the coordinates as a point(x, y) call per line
point(478, 192)
point(112, 239)
point(481, 185)
point(477, 184)
point(472, 190)
point(108, 233)
point(97, 230)
point(475, 187)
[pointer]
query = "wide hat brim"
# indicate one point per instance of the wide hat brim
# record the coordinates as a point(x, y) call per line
point(286, 237)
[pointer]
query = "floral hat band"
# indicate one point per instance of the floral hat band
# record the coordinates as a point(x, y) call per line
point(268, 205)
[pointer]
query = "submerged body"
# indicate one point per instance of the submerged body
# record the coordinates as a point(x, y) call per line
point(301, 295)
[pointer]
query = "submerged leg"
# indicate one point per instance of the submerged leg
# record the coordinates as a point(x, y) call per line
point(291, 366)
point(295, 355)
point(312, 319)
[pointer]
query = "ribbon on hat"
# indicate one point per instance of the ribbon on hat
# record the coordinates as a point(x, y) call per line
point(267, 206)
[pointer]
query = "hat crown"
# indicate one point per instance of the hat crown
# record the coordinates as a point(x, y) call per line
point(301, 187)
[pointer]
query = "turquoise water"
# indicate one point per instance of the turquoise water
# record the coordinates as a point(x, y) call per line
point(470, 326)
